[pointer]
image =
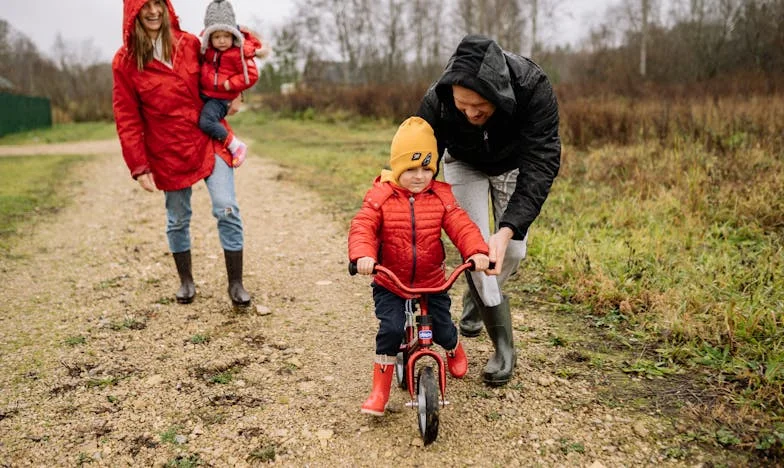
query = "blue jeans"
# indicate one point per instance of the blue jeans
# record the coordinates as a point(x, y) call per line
point(392, 320)
point(220, 185)
point(212, 113)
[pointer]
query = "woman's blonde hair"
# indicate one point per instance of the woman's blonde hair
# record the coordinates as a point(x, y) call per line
point(142, 47)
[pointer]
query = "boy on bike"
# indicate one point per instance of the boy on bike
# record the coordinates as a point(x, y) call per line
point(399, 226)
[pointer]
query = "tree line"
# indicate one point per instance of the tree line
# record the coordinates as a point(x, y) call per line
point(655, 41)
point(78, 84)
point(667, 44)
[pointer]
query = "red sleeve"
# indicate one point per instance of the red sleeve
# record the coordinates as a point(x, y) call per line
point(237, 80)
point(363, 233)
point(128, 120)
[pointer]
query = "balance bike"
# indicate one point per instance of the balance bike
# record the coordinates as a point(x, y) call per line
point(428, 394)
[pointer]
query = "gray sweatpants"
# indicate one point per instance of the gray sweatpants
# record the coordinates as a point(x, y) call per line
point(476, 192)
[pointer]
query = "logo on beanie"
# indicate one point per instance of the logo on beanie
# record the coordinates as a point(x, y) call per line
point(416, 156)
point(426, 162)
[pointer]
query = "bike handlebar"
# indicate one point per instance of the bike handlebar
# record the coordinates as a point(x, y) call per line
point(468, 265)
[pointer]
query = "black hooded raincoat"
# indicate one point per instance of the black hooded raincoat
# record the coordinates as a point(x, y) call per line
point(521, 134)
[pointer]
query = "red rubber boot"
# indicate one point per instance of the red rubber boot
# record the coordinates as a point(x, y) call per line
point(379, 396)
point(457, 361)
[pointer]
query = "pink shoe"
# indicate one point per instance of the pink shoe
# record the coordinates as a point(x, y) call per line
point(238, 157)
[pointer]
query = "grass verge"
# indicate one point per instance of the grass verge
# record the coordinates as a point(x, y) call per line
point(29, 189)
point(62, 133)
point(337, 156)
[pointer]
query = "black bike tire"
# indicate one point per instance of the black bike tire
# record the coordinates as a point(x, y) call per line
point(428, 406)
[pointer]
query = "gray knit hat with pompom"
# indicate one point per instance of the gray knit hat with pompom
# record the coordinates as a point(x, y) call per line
point(219, 17)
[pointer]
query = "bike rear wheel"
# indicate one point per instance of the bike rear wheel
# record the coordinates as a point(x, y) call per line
point(427, 404)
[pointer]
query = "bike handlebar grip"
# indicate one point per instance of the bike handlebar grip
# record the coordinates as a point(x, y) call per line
point(473, 265)
point(352, 268)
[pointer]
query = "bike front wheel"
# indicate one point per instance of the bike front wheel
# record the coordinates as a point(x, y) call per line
point(427, 404)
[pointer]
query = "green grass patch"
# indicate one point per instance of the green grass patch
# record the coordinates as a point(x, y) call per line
point(75, 340)
point(568, 446)
point(169, 436)
point(62, 133)
point(104, 382)
point(30, 188)
point(199, 339)
point(185, 461)
point(336, 156)
point(222, 378)
point(262, 454)
point(128, 323)
point(654, 246)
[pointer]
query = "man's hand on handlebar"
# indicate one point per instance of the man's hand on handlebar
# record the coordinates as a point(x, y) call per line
point(481, 261)
point(365, 265)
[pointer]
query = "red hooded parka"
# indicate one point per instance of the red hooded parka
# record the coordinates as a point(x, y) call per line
point(402, 231)
point(156, 110)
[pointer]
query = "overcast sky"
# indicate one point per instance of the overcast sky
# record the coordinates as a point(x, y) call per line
point(100, 20)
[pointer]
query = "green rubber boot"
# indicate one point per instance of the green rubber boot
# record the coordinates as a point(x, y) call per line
point(498, 322)
point(471, 320)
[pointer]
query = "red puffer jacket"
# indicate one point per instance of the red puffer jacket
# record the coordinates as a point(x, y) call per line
point(402, 231)
point(156, 110)
point(219, 67)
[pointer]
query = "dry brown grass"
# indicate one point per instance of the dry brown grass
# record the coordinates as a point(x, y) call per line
point(721, 124)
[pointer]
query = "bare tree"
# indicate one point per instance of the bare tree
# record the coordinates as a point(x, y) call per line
point(538, 13)
point(467, 17)
point(644, 37)
point(711, 25)
point(635, 17)
point(391, 22)
point(500, 19)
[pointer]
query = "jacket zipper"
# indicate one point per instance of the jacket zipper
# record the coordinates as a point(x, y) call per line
point(487, 142)
point(413, 238)
point(215, 65)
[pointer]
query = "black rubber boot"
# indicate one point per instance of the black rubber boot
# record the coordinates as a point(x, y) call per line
point(498, 322)
point(239, 297)
point(471, 320)
point(187, 289)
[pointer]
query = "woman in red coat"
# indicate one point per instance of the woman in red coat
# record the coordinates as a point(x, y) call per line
point(399, 226)
point(156, 109)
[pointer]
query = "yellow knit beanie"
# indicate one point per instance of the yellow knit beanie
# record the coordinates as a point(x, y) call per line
point(414, 145)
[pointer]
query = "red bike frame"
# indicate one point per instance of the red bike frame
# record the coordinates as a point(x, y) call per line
point(418, 345)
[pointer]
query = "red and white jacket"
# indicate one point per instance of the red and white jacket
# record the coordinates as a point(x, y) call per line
point(218, 67)
point(402, 231)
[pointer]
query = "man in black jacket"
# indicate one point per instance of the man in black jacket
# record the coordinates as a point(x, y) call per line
point(495, 117)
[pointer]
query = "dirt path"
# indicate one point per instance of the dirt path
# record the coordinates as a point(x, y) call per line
point(79, 147)
point(99, 366)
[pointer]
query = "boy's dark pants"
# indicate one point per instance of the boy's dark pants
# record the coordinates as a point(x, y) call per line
point(212, 113)
point(390, 311)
